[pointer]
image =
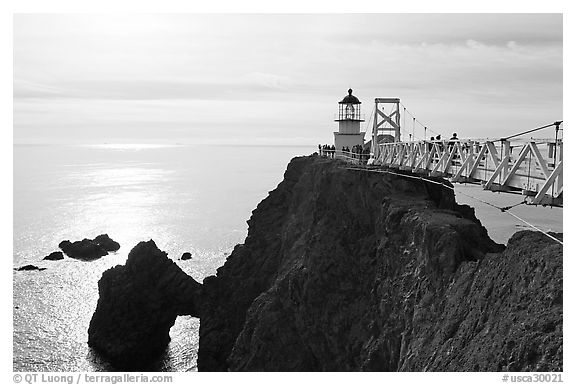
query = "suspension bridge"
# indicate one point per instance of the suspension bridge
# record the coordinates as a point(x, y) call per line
point(512, 164)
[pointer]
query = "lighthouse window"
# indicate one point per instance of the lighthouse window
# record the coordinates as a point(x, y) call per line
point(349, 111)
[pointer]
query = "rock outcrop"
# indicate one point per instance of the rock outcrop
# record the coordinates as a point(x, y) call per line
point(354, 270)
point(29, 268)
point(107, 243)
point(89, 249)
point(345, 270)
point(503, 313)
point(186, 256)
point(54, 256)
point(138, 305)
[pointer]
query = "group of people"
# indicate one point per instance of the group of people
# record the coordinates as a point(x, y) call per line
point(363, 154)
point(451, 141)
point(356, 149)
point(454, 138)
point(357, 152)
point(327, 150)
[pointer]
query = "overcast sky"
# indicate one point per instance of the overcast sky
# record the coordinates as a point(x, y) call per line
point(278, 78)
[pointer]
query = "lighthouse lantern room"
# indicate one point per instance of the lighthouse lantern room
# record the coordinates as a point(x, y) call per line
point(349, 119)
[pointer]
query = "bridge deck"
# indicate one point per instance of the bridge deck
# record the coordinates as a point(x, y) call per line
point(533, 168)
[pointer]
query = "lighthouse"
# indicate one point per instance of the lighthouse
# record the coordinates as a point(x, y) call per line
point(349, 119)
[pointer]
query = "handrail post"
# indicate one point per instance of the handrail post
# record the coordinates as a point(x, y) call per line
point(505, 155)
point(557, 128)
point(375, 145)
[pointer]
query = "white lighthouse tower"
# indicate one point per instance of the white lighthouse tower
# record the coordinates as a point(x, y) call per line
point(349, 119)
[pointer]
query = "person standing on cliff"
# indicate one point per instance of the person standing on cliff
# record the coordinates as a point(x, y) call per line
point(366, 155)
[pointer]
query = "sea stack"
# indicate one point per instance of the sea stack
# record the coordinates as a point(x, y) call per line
point(138, 304)
point(54, 256)
point(89, 249)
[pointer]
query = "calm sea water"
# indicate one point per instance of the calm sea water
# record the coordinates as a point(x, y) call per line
point(185, 198)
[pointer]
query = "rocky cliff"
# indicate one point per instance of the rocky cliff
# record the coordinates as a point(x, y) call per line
point(345, 269)
point(352, 270)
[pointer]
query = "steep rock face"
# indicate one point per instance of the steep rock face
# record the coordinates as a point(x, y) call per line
point(503, 313)
point(138, 305)
point(353, 270)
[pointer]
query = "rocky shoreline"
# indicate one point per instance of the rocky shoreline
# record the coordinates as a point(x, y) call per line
point(345, 270)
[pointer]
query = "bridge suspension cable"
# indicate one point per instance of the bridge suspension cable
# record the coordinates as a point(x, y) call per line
point(402, 175)
point(536, 228)
point(503, 209)
point(404, 120)
point(367, 126)
point(557, 124)
point(417, 121)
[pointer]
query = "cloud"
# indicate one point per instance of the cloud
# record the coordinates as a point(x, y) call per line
point(29, 89)
point(253, 86)
point(439, 65)
point(266, 81)
point(414, 29)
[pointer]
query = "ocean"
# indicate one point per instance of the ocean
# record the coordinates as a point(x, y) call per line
point(187, 198)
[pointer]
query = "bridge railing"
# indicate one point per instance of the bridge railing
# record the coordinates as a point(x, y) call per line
point(348, 156)
point(533, 167)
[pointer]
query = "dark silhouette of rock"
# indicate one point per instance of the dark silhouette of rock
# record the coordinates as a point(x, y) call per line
point(104, 241)
point(186, 256)
point(350, 270)
point(85, 250)
point(29, 268)
point(89, 249)
point(138, 305)
point(54, 256)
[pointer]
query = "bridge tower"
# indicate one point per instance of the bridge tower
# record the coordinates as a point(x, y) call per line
point(348, 119)
point(386, 126)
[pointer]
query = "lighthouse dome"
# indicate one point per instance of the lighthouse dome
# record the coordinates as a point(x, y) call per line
point(350, 99)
